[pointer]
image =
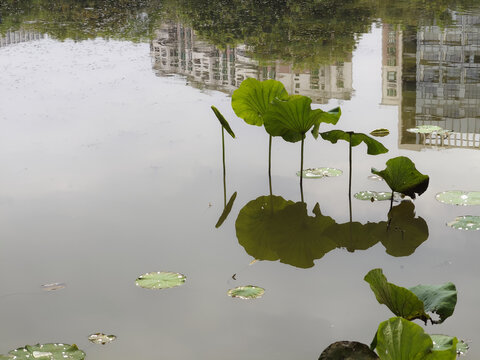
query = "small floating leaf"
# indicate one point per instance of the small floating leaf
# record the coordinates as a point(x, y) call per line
point(459, 197)
point(402, 176)
point(426, 129)
point(100, 338)
point(48, 352)
point(466, 222)
point(246, 292)
point(223, 121)
point(380, 132)
point(318, 173)
point(377, 196)
point(54, 286)
point(443, 342)
point(348, 350)
point(375, 178)
point(160, 280)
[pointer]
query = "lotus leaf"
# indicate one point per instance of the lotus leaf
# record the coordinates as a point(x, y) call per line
point(438, 299)
point(226, 210)
point(160, 280)
point(223, 121)
point(292, 118)
point(253, 98)
point(402, 176)
point(459, 197)
point(348, 350)
point(246, 292)
point(100, 338)
point(400, 339)
point(426, 129)
point(48, 352)
point(377, 196)
point(353, 235)
point(446, 342)
point(373, 146)
point(380, 132)
point(375, 178)
point(466, 222)
point(318, 173)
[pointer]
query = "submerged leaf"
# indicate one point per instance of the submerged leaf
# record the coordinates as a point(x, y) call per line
point(226, 211)
point(253, 98)
point(373, 146)
point(246, 292)
point(293, 118)
point(380, 132)
point(466, 222)
point(348, 350)
point(48, 352)
point(100, 338)
point(160, 280)
point(401, 301)
point(223, 121)
point(438, 299)
point(459, 197)
point(318, 173)
point(402, 176)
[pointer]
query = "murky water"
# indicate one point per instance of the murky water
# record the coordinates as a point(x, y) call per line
point(112, 167)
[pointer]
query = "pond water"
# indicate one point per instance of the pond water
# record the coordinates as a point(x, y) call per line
point(112, 167)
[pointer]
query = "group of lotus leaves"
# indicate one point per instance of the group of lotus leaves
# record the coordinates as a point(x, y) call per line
point(399, 338)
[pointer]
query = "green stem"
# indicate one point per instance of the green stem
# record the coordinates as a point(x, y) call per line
point(301, 169)
point(350, 177)
point(270, 164)
point(224, 170)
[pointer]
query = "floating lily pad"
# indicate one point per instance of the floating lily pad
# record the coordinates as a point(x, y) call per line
point(459, 197)
point(318, 173)
point(246, 292)
point(377, 196)
point(54, 286)
point(466, 222)
point(380, 132)
point(375, 178)
point(426, 129)
point(160, 280)
point(442, 342)
point(100, 338)
point(48, 352)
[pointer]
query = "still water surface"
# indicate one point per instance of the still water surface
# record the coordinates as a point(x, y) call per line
point(112, 168)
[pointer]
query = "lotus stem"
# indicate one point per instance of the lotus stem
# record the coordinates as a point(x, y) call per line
point(224, 170)
point(270, 163)
point(350, 176)
point(301, 168)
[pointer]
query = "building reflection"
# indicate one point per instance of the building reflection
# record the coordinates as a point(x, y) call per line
point(433, 74)
point(178, 50)
point(15, 37)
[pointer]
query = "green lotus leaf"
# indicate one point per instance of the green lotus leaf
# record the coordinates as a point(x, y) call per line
point(6, 357)
point(246, 292)
point(252, 99)
point(348, 350)
point(160, 280)
point(402, 176)
point(377, 196)
point(459, 197)
point(318, 173)
point(403, 232)
point(425, 129)
point(445, 342)
point(400, 339)
point(292, 118)
point(401, 301)
point(438, 299)
point(466, 222)
point(223, 121)
point(226, 210)
point(373, 146)
point(48, 352)
point(380, 132)
point(100, 338)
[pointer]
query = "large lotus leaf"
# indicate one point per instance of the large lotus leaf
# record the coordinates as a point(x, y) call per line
point(223, 121)
point(353, 235)
point(438, 299)
point(445, 342)
point(48, 352)
point(403, 233)
point(256, 224)
point(292, 118)
point(401, 301)
point(348, 350)
point(252, 99)
point(374, 147)
point(402, 176)
point(400, 339)
point(226, 210)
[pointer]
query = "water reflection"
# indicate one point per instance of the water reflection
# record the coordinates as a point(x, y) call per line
point(16, 37)
point(272, 228)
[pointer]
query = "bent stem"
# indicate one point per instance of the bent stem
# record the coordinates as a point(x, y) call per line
point(301, 168)
point(224, 170)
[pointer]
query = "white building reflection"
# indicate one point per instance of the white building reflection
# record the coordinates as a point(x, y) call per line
point(177, 50)
point(15, 37)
